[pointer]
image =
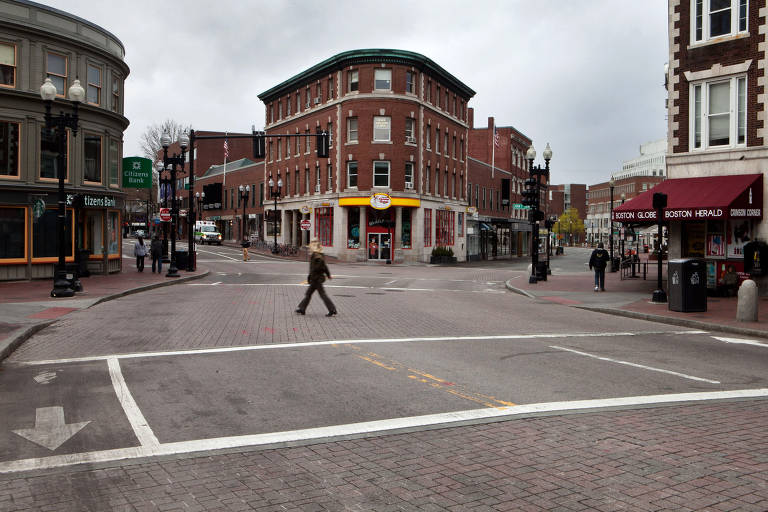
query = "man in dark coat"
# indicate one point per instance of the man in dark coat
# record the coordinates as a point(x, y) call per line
point(598, 261)
point(318, 271)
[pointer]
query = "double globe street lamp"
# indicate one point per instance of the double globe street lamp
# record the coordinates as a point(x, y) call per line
point(172, 162)
point(275, 192)
point(199, 198)
point(244, 193)
point(55, 140)
point(533, 190)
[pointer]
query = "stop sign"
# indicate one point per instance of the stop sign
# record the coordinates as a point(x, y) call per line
point(305, 224)
point(165, 214)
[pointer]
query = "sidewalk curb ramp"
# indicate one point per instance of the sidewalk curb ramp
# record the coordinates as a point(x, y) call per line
point(7, 346)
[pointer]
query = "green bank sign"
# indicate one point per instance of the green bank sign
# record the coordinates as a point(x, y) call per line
point(137, 172)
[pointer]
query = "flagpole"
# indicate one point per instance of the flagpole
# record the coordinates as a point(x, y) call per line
point(226, 154)
point(493, 151)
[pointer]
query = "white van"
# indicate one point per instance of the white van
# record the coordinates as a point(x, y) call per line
point(206, 232)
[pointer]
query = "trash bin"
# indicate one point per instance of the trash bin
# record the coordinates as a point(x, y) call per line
point(73, 276)
point(559, 250)
point(182, 259)
point(83, 256)
point(687, 283)
point(541, 271)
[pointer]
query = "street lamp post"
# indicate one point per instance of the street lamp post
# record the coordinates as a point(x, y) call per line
point(244, 192)
point(535, 214)
point(57, 126)
point(173, 161)
point(611, 184)
point(163, 184)
point(199, 198)
point(623, 231)
point(275, 194)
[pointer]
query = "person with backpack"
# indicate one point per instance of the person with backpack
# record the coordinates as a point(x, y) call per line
point(140, 250)
point(598, 261)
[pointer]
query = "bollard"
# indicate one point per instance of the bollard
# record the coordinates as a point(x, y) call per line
point(746, 308)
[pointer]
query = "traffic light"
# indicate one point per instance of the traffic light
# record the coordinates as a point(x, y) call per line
point(322, 144)
point(258, 144)
point(531, 194)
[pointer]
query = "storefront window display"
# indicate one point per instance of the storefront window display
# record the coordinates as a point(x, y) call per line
point(739, 233)
point(405, 234)
point(113, 232)
point(45, 238)
point(12, 229)
point(93, 232)
point(353, 228)
point(324, 226)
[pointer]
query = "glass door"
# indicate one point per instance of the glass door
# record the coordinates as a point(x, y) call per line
point(379, 246)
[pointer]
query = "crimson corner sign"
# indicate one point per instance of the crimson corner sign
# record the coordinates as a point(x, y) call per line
point(137, 172)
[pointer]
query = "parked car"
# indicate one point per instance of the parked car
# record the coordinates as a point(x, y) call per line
point(140, 233)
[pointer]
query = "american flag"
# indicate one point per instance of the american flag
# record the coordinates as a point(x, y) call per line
point(496, 139)
point(226, 149)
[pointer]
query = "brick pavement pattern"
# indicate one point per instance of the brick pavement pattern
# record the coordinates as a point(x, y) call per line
point(711, 456)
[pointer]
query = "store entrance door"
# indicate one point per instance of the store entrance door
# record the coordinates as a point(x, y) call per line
point(379, 246)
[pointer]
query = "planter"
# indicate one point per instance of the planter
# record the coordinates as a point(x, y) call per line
point(436, 260)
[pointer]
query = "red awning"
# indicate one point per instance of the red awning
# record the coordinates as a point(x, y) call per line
point(711, 197)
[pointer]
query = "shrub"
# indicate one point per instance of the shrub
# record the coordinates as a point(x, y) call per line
point(442, 251)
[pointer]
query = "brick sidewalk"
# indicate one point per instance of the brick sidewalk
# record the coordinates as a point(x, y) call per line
point(711, 456)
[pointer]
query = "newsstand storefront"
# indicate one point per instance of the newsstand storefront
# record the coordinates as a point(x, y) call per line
point(29, 235)
point(713, 218)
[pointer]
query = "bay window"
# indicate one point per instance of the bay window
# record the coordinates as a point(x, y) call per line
point(716, 18)
point(718, 112)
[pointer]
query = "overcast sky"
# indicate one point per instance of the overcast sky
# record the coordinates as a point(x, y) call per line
point(584, 75)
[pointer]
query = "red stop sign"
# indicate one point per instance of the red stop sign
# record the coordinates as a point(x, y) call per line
point(305, 224)
point(165, 214)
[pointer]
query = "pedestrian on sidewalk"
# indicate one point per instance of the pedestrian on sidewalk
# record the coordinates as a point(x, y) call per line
point(157, 253)
point(598, 261)
point(246, 244)
point(140, 250)
point(318, 270)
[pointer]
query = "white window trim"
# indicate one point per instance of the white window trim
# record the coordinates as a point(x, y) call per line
point(733, 112)
point(705, 23)
point(375, 72)
point(389, 134)
point(389, 172)
point(357, 174)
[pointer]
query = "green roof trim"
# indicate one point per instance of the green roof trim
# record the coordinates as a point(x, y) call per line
point(366, 56)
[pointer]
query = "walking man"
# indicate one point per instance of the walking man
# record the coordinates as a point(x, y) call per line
point(157, 254)
point(318, 270)
point(598, 261)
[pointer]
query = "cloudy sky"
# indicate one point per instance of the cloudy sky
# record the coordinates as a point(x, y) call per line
point(584, 75)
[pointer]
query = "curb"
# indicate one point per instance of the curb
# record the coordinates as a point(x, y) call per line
point(8, 346)
point(683, 322)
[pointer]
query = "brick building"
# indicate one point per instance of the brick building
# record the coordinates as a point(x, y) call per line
point(716, 152)
point(563, 197)
point(497, 170)
point(393, 186)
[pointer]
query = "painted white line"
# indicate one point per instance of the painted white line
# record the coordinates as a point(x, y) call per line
point(352, 287)
point(137, 420)
point(635, 365)
point(390, 282)
point(740, 341)
point(244, 348)
point(330, 433)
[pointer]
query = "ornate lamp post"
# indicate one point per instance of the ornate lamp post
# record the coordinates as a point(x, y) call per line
point(275, 192)
point(244, 192)
point(56, 126)
point(611, 184)
point(199, 198)
point(535, 214)
point(173, 161)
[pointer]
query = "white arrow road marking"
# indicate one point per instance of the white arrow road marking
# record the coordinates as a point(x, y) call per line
point(50, 430)
point(741, 341)
point(45, 377)
point(635, 365)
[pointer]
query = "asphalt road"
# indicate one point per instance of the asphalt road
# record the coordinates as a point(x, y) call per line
point(224, 363)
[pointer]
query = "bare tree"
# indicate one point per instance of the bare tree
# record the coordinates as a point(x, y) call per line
point(150, 139)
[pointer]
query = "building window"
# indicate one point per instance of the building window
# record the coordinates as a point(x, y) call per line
point(92, 150)
point(429, 138)
point(307, 98)
point(351, 129)
point(44, 239)
point(12, 233)
point(409, 175)
point(427, 227)
point(306, 182)
point(9, 149)
point(429, 91)
point(718, 113)
point(317, 179)
point(438, 97)
point(114, 164)
point(444, 228)
point(353, 227)
point(279, 150)
point(461, 224)
point(298, 102)
point(288, 106)
point(48, 156)
point(115, 94)
point(461, 150)
point(309, 142)
point(405, 228)
point(330, 88)
point(324, 226)
point(437, 140)
point(382, 79)
point(279, 110)
point(445, 184)
point(93, 93)
point(352, 80)
point(453, 148)
point(329, 131)
point(437, 182)
point(426, 177)
point(477, 196)
point(7, 65)
point(410, 130)
point(271, 113)
point(381, 128)
point(410, 82)
point(298, 182)
point(381, 174)
point(329, 170)
point(298, 145)
point(352, 174)
point(717, 18)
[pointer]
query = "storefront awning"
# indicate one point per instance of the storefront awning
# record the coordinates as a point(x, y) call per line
point(734, 196)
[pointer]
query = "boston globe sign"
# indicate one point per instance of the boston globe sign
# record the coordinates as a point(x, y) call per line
point(137, 172)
